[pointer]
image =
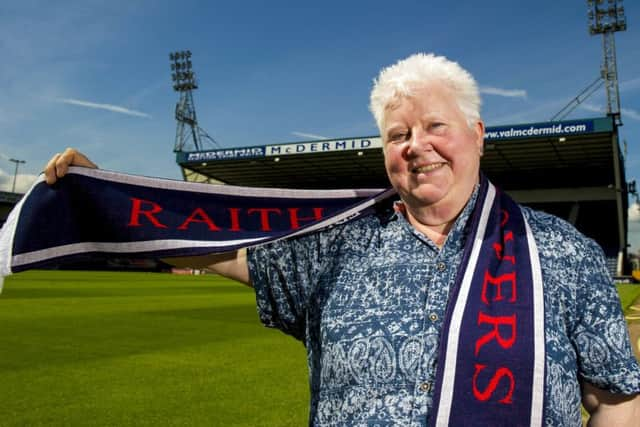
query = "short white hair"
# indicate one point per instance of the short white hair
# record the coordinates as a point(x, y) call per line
point(404, 78)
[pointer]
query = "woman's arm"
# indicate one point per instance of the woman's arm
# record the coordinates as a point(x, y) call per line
point(609, 409)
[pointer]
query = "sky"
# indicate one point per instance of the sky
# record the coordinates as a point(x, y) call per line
point(95, 75)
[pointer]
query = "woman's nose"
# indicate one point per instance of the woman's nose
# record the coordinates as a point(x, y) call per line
point(420, 141)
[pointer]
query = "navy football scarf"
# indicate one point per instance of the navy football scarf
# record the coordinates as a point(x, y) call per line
point(492, 350)
point(97, 212)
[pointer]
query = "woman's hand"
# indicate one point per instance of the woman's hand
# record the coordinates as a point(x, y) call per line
point(59, 164)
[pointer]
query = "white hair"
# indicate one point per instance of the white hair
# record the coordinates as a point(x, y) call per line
point(404, 78)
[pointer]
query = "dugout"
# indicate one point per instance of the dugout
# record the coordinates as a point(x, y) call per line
point(573, 169)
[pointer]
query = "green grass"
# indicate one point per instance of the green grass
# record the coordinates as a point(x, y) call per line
point(143, 349)
point(628, 294)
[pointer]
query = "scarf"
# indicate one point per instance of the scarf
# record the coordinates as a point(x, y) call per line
point(492, 350)
point(93, 212)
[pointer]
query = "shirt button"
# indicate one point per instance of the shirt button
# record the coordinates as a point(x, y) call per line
point(425, 387)
point(442, 266)
point(433, 317)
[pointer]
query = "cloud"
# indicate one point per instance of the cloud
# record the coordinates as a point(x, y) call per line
point(630, 85)
point(108, 107)
point(308, 135)
point(534, 112)
point(23, 181)
point(592, 107)
point(626, 113)
point(629, 113)
point(509, 93)
point(634, 212)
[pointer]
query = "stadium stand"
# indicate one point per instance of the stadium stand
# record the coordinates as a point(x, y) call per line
point(573, 169)
point(7, 201)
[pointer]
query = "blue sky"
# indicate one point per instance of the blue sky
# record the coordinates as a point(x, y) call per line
point(95, 75)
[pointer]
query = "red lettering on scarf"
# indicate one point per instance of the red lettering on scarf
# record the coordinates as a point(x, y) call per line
point(500, 373)
point(264, 216)
point(199, 215)
point(499, 247)
point(144, 212)
point(294, 219)
point(497, 321)
point(503, 328)
point(497, 282)
point(505, 217)
point(136, 211)
point(235, 219)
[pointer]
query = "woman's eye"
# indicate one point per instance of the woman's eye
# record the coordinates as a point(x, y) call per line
point(437, 127)
point(398, 137)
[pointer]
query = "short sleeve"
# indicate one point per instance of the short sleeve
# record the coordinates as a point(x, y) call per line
point(284, 275)
point(601, 338)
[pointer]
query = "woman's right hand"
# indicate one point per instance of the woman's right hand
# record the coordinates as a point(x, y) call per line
point(59, 164)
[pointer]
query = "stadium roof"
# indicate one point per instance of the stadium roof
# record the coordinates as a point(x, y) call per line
point(577, 153)
point(573, 169)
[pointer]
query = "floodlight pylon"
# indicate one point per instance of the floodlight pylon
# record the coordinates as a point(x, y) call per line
point(189, 135)
point(607, 17)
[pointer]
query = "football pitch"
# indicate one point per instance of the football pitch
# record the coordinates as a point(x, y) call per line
point(143, 349)
point(147, 349)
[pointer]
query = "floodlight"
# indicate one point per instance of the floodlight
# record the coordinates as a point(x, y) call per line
point(15, 175)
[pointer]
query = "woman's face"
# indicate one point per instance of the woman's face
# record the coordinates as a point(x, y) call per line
point(432, 156)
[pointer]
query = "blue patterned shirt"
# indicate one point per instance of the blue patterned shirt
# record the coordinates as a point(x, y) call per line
point(368, 297)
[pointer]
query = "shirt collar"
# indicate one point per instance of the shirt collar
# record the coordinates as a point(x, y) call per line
point(458, 233)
